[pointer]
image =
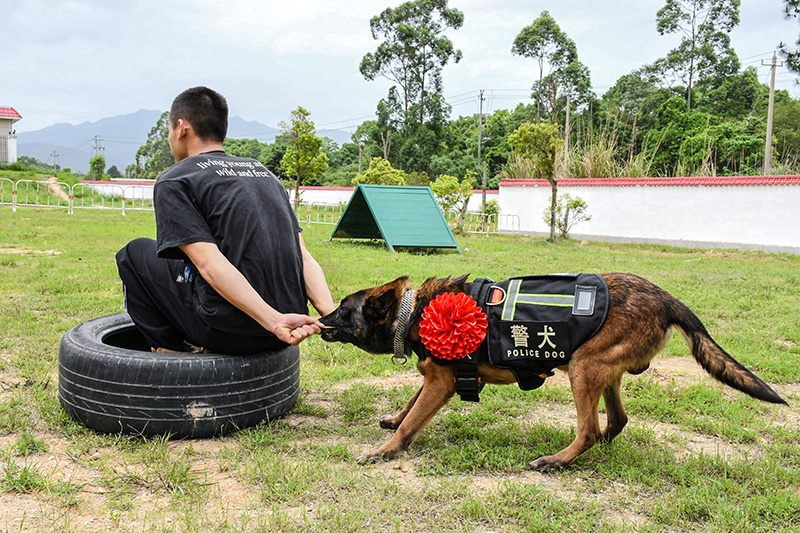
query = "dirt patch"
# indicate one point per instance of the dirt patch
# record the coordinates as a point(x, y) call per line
point(8, 383)
point(410, 379)
point(21, 251)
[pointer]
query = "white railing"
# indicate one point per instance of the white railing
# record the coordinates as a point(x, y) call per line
point(320, 213)
point(51, 193)
point(480, 223)
point(7, 191)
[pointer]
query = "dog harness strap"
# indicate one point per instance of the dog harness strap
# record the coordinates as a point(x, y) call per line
point(406, 305)
point(468, 380)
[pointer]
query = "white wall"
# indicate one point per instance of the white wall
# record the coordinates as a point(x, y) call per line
point(737, 216)
point(752, 214)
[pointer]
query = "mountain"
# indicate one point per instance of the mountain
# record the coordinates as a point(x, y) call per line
point(121, 136)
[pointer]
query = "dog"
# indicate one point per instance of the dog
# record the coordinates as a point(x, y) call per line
point(639, 321)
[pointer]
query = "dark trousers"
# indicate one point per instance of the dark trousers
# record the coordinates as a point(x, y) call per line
point(160, 303)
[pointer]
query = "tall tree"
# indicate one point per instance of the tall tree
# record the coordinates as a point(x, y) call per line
point(570, 84)
point(544, 41)
point(792, 9)
point(97, 168)
point(540, 143)
point(413, 52)
point(380, 172)
point(154, 156)
point(304, 158)
point(705, 52)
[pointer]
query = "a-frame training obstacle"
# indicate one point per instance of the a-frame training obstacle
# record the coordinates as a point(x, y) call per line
point(407, 217)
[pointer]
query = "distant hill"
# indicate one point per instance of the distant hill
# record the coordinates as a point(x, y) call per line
point(121, 136)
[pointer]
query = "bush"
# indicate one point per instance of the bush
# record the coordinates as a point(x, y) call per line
point(569, 211)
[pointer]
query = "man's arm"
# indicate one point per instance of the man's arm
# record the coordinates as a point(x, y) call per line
point(234, 287)
point(316, 285)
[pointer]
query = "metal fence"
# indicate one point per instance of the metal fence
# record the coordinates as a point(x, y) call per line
point(480, 223)
point(42, 194)
point(7, 191)
point(320, 213)
point(112, 196)
point(51, 193)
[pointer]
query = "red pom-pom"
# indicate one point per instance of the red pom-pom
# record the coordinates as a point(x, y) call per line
point(452, 326)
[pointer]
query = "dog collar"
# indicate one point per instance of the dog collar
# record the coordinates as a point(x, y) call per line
point(406, 305)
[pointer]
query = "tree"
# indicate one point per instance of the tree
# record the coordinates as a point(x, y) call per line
point(251, 148)
point(544, 41)
point(273, 153)
point(786, 125)
point(570, 84)
point(380, 172)
point(569, 211)
point(540, 143)
point(304, 157)
point(737, 97)
point(97, 168)
point(29, 161)
point(453, 194)
point(413, 52)
point(155, 155)
point(791, 9)
point(705, 53)
point(114, 173)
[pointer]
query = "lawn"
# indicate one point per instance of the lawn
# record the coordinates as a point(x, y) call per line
point(696, 456)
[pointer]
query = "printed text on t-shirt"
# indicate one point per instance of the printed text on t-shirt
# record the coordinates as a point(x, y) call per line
point(235, 168)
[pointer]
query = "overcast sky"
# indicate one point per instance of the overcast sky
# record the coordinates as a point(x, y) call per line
point(83, 60)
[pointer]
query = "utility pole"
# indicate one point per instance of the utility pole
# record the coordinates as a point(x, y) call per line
point(768, 147)
point(480, 142)
point(98, 146)
point(54, 155)
point(566, 131)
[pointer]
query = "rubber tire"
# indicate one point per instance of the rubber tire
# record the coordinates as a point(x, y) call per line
point(110, 381)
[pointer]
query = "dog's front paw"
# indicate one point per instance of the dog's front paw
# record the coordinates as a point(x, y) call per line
point(546, 464)
point(389, 422)
point(371, 458)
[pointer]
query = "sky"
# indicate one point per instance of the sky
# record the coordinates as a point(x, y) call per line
point(72, 61)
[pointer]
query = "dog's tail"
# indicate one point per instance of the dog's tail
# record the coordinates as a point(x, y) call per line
point(717, 361)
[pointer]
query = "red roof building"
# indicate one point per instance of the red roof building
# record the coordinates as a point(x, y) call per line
point(8, 139)
point(9, 112)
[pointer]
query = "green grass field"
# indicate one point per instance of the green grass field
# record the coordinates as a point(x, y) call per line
point(696, 456)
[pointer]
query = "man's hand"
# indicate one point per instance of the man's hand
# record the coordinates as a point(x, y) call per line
point(293, 328)
point(232, 285)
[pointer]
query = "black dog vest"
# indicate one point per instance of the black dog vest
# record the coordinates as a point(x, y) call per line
point(535, 325)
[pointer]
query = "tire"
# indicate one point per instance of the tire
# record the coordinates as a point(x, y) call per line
point(110, 381)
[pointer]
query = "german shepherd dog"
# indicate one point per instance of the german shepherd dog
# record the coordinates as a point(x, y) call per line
point(638, 325)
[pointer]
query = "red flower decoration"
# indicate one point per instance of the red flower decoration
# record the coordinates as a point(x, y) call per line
point(452, 326)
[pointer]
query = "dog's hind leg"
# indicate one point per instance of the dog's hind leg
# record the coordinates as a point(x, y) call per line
point(437, 389)
point(393, 422)
point(615, 411)
point(587, 387)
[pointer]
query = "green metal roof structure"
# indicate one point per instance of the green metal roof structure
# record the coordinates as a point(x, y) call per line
point(401, 216)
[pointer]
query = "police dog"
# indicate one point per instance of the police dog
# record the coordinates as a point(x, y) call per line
point(639, 323)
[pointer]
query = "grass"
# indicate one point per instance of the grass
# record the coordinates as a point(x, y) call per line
point(696, 455)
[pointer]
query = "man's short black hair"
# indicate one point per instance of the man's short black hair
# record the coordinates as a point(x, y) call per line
point(206, 110)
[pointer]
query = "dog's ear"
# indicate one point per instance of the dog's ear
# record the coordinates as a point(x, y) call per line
point(377, 307)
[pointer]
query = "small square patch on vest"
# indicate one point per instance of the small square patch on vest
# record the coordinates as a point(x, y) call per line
point(584, 300)
point(541, 341)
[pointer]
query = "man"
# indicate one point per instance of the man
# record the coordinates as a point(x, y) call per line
point(229, 271)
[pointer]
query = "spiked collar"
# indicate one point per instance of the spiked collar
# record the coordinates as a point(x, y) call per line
point(401, 329)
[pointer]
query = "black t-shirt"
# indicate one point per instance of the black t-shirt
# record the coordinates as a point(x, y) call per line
point(242, 207)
